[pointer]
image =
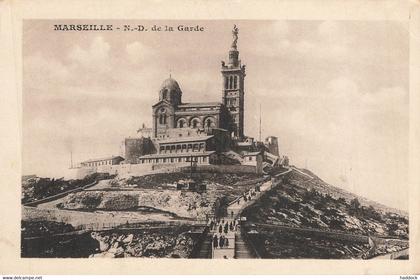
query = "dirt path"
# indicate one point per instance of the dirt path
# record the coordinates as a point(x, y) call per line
point(53, 203)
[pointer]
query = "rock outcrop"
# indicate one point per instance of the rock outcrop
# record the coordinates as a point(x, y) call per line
point(182, 204)
point(145, 244)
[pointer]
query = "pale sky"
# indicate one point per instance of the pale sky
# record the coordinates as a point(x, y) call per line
point(334, 92)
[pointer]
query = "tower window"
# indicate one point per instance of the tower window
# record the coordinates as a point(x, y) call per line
point(226, 82)
point(235, 82)
point(162, 119)
point(165, 94)
point(230, 82)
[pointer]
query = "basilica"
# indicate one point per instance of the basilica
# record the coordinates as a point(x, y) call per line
point(207, 133)
point(199, 129)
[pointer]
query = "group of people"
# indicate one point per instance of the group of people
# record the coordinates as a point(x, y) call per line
point(223, 226)
point(246, 196)
point(220, 241)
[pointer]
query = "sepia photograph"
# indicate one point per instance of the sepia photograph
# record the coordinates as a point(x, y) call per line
point(215, 139)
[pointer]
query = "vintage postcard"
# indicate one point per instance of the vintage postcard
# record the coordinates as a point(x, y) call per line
point(216, 140)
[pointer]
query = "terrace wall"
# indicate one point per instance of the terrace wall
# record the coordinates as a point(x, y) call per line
point(227, 168)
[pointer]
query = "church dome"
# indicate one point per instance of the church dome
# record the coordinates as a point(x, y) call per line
point(171, 85)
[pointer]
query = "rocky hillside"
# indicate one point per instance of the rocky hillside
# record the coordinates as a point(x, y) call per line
point(43, 228)
point(162, 243)
point(300, 201)
point(159, 193)
point(168, 179)
point(36, 188)
point(182, 204)
point(308, 218)
point(325, 187)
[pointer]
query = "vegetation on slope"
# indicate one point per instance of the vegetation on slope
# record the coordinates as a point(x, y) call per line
point(307, 218)
point(302, 202)
point(38, 188)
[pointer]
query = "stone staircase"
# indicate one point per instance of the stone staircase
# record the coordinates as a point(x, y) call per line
point(205, 251)
point(242, 251)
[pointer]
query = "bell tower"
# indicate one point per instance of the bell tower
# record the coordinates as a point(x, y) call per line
point(233, 74)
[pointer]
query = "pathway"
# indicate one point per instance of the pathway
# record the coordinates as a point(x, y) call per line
point(235, 208)
point(237, 247)
point(59, 195)
point(242, 251)
point(223, 238)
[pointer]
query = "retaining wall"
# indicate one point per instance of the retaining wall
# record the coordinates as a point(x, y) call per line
point(128, 170)
point(223, 168)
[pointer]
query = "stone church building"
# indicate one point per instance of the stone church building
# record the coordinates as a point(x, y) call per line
point(172, 113)
point(181, 129)
point(205, 133)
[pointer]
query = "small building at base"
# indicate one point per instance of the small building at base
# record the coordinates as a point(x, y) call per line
point(112, 160)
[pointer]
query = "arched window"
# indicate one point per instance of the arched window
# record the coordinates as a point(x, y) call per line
point(208, 123)
point(226, 82)
point(165, 94)
point(230, 82)
point(163, 119)
point(235, 82)
point(194, 123)
point(181, 123)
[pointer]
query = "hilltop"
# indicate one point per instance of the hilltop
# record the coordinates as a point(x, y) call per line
point(304, 217)
point(301, 216)
point(302, 201)
point(348, 195)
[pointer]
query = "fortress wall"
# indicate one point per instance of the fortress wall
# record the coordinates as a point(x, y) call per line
point(111, 169)
point(127, 170)
point(79, 173)
point(170, 166)
point(224, 168)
